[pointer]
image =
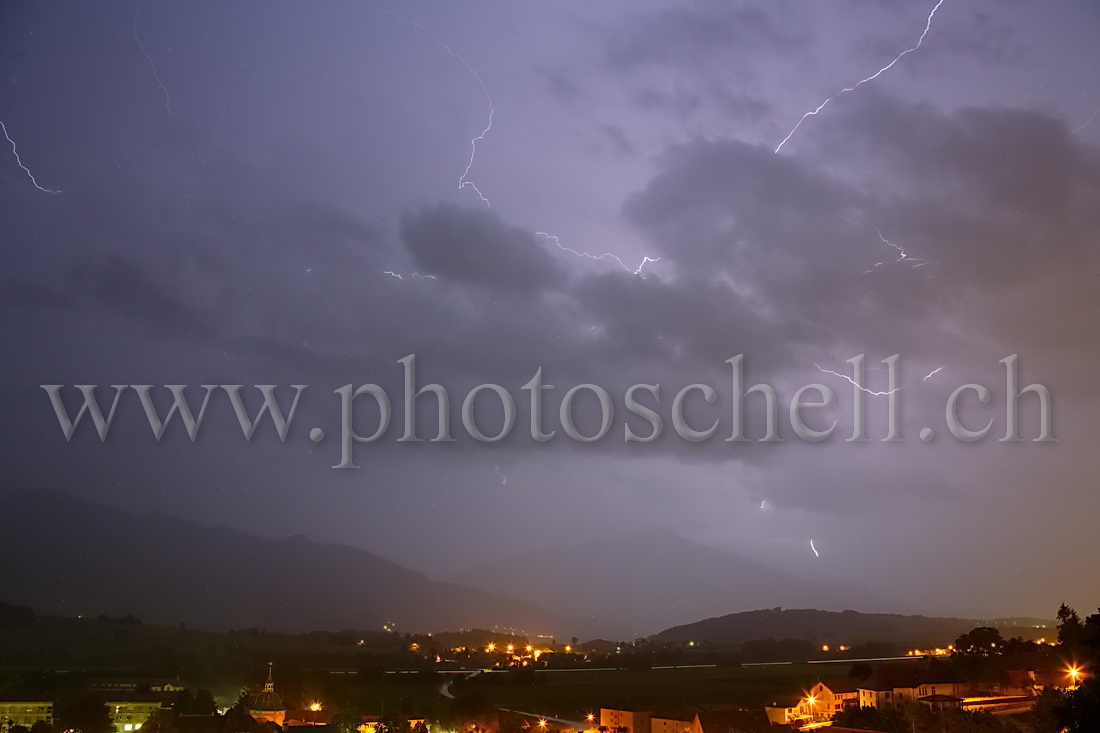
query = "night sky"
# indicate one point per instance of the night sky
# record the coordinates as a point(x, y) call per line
point(241, 184)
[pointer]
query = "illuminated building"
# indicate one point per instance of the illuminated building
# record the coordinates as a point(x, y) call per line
point(130, 712)
point(266, 705)
point(25, 710)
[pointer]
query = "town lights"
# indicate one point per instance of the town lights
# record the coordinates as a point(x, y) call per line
point(315, 707)
point(491, 648)
point(1074, 674)
point(542, 723)
point(590, 717)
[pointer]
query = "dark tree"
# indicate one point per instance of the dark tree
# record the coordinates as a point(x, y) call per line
point(983, 641)
point(15, 615)
point(886, 721)
point(86, 715)
point(347, 720)
point(1043, 718)
point(1070, 628)
point(1081, 711)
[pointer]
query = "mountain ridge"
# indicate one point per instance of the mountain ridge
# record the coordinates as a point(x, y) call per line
point(80, 557)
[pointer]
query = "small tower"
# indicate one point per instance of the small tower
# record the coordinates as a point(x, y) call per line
point(267, 705)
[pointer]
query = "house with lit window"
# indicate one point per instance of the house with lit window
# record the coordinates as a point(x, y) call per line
point(371, 722)
point(893, 687)
point(670, 723)
point(625, 720)
point(828, 697)
point(116, 685)
point(25, 710)
point(130, 712)
point(788, 710)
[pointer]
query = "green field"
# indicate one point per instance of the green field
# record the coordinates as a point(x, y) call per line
point(572, 694)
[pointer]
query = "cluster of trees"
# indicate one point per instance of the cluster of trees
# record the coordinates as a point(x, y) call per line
point(127, 620)
point(15, 615)
point(1078, 710)
point(981, 655)
point(1073, 707)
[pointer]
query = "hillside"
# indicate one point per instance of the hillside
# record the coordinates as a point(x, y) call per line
point(69, 557)
point(846, 627)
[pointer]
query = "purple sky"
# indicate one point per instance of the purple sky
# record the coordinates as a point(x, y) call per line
point(243, 235)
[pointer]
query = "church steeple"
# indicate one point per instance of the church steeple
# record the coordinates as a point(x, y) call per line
point(266, 704)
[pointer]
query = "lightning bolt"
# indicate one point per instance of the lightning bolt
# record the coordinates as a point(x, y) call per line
point(606, 255)
point(414, 275)
point(1088, 121)
point(156, 74)
point(861, 82)
point(902, 254)
point(816, 553)
point(856, 384)
point(933, 373)
point(463, 180)
point(19, 161)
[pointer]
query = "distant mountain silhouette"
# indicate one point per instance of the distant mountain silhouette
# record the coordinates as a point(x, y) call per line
point(66, 556)
point(847, 627)
point(654, 580)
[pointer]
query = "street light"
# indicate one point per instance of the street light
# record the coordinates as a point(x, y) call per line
point(1074, 674)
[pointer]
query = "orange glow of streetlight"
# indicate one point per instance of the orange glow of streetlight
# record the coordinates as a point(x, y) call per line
point(590, 717)
point(530, 648)
point(491, 648)
point(511, 648)
point(542, 722)
point(315, 707)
